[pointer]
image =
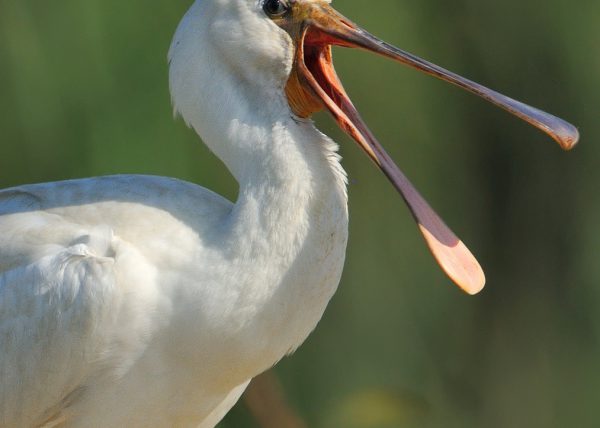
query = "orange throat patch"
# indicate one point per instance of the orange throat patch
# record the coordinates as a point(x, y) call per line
point(301, 100)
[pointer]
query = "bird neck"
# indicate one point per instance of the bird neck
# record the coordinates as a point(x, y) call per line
point(282, 247)
point(286, 239)
point(289, 188)
point(287, 170)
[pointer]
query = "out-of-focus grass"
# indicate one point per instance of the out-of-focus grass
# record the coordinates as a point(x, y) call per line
point(84, 92)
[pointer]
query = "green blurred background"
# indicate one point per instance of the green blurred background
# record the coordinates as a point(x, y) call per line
point(83, 91)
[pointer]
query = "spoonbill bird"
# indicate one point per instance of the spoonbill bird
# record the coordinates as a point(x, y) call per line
point(139, 301)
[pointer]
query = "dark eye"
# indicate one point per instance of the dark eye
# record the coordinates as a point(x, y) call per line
point(275, 8)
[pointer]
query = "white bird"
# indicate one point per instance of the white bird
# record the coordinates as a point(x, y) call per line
point(139, 301)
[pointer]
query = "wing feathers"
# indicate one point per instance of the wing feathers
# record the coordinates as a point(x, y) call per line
point(50, 310)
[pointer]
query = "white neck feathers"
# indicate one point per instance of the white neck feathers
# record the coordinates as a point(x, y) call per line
point(285, 238)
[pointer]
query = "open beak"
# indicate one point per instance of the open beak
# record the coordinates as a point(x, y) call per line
point(313, 85)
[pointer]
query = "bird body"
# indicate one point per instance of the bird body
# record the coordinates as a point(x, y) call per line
point(139, 301)
point(116, 287)
point(144, 301)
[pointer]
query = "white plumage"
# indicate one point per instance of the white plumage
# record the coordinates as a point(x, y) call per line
point(134, 301)
point(139, 301)
point(144, 301)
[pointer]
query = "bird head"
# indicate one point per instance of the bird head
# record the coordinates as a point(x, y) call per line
point(282, 50)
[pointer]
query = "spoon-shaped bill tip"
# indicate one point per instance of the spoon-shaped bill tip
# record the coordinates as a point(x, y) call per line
point(567, 136)
point(455, 259)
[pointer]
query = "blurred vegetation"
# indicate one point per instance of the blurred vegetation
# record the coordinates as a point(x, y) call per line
point(83, 91)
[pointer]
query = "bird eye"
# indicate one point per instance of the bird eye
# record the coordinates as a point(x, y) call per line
point(275, 8)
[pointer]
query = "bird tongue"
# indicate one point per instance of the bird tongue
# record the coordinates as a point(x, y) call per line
point(326, 27)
